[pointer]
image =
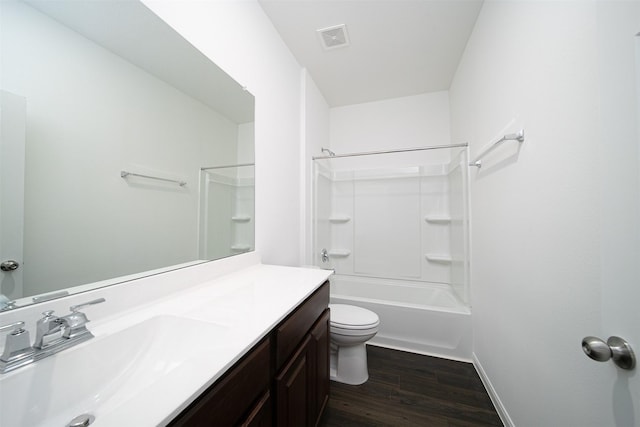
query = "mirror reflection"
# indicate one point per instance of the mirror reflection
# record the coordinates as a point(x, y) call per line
point(227, 210)
point(124, 150)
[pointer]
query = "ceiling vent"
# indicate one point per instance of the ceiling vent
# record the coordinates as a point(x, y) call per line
point(334, 37)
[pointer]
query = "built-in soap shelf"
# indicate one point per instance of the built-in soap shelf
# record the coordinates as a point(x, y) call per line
point(241, 218)
point(241, 248)
point(339, 253)
point(339, 219)
point(442, 258)
point(438, 219)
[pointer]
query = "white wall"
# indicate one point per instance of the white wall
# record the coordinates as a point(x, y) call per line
point(83, 104)
point(246, 146)
point(407, 122)
point(240, 39)
point(315, 129)
point(536, 245)
point(412, 121)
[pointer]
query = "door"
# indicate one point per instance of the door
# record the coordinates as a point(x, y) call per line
point(12, 155)
point(618, 390)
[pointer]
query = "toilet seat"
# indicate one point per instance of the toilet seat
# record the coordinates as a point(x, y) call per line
point(361, 333)
point(345, 318)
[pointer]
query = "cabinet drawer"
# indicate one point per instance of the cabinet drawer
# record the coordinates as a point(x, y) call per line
point(295, 327)
point(229, 400)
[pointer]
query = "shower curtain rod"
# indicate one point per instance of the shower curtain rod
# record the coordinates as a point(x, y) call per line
point(237, 165)
point(403, 150)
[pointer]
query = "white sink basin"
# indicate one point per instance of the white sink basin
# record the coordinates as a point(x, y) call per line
point(116, 376)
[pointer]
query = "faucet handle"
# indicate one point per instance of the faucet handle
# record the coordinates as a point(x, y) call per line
point(18, 327)
point(17, 349)
point(75, 308)
point(76, 320)
point(47, 317)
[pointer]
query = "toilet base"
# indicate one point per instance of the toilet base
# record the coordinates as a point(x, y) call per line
point(349, 364)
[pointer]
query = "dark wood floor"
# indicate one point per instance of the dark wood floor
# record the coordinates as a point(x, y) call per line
point(406, 389)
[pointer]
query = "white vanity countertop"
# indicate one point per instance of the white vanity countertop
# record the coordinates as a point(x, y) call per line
point(246, 304)
point(249, 302)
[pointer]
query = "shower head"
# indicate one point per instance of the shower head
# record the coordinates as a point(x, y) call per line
point(329, 152)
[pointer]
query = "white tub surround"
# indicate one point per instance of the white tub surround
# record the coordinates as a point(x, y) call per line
point(238, 294)
point(425, 318)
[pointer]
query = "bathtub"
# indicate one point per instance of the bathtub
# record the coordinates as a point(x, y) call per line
point(418, 317)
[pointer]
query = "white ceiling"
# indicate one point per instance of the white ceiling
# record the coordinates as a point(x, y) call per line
point(397, 47)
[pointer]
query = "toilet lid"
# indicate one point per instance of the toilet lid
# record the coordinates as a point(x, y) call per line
point(352, 317)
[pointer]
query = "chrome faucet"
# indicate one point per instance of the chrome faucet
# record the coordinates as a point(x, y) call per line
point(53, 334)
point(46, 327)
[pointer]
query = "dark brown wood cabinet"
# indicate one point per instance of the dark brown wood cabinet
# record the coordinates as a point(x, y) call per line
point(283, 381)
point(320, 368)
point(293, 389)
point(262, 413)
point(231, 400)
point(302, 386)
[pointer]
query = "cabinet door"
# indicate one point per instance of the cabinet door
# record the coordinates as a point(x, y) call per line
point(320, 367)
point(292, 389)
point(261, 414)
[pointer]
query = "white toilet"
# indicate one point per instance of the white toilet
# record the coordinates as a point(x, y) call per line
point(350, 327)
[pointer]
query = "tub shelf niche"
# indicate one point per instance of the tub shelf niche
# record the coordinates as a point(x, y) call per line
point(339, 219)
point(339, 253)
point(441, 258)
point(241, 248)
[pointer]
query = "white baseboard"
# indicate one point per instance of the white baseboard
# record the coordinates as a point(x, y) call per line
point(502, 412)
point(420, 348)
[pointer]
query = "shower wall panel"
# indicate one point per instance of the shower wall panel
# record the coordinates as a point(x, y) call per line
point(387, 227)
point(322, 207)
point(458, 230)
point(435, 230)
point(219, 235)
point(244, 230)
point(383, 220)
point(342, 221)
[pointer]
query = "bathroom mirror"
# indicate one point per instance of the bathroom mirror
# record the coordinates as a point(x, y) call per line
point(125, 151)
